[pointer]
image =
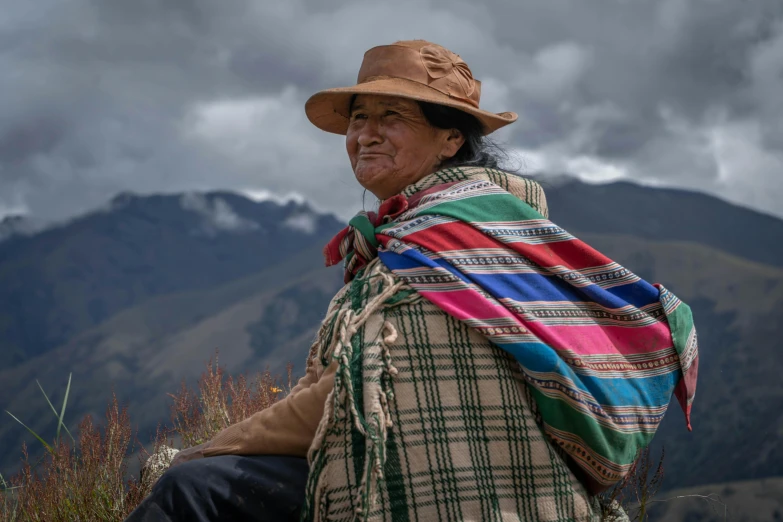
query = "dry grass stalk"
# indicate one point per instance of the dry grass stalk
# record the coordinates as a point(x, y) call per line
point(636, 491)
point(220, 402)
point(87, 481)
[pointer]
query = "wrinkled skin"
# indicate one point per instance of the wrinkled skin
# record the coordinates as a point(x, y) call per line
point(391, 144)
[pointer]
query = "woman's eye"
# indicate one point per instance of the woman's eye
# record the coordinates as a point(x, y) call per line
point(391, 113)
point(358, 116)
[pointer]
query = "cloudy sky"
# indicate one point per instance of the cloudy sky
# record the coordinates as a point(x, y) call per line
point(103, 96)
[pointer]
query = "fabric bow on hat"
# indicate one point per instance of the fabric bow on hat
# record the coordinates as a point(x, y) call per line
point(441, 62)
point(357, 243)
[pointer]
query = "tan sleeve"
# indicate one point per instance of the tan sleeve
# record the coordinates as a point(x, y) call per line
point(285, 428)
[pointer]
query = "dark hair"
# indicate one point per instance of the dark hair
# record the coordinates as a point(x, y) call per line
point(478, 150)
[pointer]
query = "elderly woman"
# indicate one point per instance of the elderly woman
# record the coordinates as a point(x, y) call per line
point(480, 363)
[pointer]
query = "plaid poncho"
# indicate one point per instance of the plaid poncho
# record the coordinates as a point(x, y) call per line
point(600, 350)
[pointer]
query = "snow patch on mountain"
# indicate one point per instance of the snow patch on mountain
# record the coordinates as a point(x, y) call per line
point(259, 195)
point(217, 214)
point(306, 222)
point(15, 225)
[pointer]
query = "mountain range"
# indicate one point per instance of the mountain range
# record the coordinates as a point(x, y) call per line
point(64, 280)
point(136, 297)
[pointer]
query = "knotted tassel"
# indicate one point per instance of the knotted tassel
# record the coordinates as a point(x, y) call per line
point(372, 419)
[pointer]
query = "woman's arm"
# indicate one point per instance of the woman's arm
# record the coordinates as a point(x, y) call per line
point(285, 428)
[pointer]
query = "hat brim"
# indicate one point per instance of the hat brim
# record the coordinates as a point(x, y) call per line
point(329, 110)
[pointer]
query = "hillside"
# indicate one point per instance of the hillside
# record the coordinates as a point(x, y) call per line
point(745, 501)
point(144, 352)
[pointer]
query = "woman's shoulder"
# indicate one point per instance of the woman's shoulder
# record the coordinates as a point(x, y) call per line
point(522, 187)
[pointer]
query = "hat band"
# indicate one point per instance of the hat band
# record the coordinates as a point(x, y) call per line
point(397, 61)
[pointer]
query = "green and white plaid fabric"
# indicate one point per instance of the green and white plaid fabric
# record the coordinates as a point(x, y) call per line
point(427, 420)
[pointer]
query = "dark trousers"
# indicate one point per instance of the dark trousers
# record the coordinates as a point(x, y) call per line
point(228, 487)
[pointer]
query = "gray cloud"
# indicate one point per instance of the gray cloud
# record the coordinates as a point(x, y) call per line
point(100, 97)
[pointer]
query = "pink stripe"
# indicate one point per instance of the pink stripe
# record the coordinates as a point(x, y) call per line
point(465, 304)
point(598, 340)
point(585, 340)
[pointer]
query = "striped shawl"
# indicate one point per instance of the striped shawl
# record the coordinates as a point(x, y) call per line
point(428, 420)
point(476, 286)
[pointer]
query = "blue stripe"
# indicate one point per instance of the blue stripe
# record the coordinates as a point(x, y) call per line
point(651, 391)
point(531, 287)
point(639, 294)
point(404, 261)
point(538, 357)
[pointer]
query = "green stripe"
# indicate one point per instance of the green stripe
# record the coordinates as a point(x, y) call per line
point(490, 207)
point(681, 325)
point(395, 484)
point(613, 445)
point(359, 289)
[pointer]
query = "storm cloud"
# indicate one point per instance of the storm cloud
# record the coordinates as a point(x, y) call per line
point(98, 97)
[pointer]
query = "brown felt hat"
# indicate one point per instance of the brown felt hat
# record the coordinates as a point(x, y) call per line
point(413, 69)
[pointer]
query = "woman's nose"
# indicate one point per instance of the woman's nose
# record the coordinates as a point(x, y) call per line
point(370, 133)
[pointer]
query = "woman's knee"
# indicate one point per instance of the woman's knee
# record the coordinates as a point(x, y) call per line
point(203, 489)
point(182, 478)
point(179, 494)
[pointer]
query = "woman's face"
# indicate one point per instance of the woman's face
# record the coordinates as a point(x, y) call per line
point(391, 144)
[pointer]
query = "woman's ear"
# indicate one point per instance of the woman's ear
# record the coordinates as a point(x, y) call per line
point(452, 143)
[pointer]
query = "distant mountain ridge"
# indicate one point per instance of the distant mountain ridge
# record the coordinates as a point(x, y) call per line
point(60, 281)
point(665, 214)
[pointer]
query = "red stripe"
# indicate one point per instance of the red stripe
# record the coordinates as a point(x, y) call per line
point(574, 254)
point(461, 236)
point(451, 236)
